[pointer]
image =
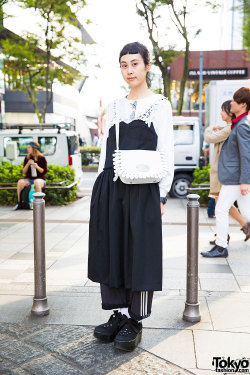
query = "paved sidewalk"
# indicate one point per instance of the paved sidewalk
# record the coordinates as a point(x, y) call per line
point(64, 338)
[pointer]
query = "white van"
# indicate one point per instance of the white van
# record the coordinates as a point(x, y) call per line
point(58, 145)
point(187, 150)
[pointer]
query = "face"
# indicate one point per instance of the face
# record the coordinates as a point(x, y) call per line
point(237, 108)
point(225, 116)
point(29, 149)
point(133, 69)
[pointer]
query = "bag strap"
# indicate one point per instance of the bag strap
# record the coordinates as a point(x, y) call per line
point(117, 124)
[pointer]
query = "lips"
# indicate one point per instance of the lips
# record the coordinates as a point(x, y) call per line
point(131, 78)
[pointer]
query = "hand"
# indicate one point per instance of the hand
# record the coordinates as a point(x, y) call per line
point(35, 165)
point(216, 127)
point(244, 189)
point(162, 208)
point(30, 161)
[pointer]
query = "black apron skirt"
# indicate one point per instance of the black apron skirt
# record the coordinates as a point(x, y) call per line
point(125, 228)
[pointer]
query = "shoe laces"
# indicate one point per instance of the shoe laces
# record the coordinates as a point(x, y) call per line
point(129, 327)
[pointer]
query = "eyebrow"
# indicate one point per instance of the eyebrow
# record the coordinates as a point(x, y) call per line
point(129, 61)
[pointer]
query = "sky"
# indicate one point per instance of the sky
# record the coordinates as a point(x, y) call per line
point(115, 23)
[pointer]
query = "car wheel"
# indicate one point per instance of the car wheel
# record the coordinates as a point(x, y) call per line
point(179, 186)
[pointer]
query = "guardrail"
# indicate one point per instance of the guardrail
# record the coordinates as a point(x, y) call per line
point(49, 185)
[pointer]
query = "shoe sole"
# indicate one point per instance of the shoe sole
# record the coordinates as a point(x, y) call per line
point(128, 346)
point(216, 256)
point(103, 337)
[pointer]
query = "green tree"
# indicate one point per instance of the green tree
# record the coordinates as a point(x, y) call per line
point(246, 24)
point(33, 63)
point(149, 11)
point(178, 12)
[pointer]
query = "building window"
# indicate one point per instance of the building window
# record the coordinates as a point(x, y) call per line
point(48, 145)
point(22, 144)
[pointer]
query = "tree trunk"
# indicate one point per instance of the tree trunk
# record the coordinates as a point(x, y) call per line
point(183, 80)
point(166, 84)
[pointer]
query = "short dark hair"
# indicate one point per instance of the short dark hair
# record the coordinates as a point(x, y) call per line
point(243, 96)
point(226, 107)
point(134, 48)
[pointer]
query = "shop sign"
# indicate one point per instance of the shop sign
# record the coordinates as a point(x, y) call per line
point(218, 73)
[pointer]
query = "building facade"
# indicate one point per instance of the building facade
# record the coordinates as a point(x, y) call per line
point(217, 65)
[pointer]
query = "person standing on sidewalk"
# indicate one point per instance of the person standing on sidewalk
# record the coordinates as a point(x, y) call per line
point(125, 229)
point(217, 136)
point(234, 174)
point(34, 168)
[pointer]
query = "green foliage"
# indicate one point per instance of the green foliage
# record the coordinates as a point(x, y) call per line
point(33, 63)
point(12, 173)
point(246, 24)
point(90, 154)
point(202, 176)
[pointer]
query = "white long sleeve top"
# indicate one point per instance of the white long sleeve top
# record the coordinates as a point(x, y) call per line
point(160, 116)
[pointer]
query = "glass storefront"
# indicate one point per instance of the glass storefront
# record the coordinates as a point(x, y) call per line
point(191, 95)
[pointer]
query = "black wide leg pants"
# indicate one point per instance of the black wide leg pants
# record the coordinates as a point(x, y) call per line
point(139, 304)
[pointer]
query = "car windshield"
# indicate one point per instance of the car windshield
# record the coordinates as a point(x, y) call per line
point(183, 134)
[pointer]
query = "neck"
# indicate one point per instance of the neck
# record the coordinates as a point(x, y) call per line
point(139, 92)
point(240, 112)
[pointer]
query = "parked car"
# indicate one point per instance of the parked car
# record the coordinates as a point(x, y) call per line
point(188, 142)
point(58, 145)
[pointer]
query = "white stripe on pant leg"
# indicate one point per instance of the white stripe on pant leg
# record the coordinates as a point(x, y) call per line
point(146, 303)
point(143, 306)
point(141, 311)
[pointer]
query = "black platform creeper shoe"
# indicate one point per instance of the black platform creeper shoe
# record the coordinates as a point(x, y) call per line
point(216, 252)
point(129, 336)
point(108, 331)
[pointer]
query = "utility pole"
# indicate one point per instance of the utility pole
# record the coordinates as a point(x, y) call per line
point(232, 32)
point(200, 86)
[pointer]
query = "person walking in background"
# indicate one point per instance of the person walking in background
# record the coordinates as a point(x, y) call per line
point(217, 136)
point(95, 140)
point(125, 228)
point(34, 168)
point(234, 174)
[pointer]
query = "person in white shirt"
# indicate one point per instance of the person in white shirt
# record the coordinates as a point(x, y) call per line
point(125, 229)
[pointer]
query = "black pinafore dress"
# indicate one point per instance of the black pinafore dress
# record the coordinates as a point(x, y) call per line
point(125, 228)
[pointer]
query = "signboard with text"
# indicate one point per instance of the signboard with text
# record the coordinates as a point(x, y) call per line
point(218, 73)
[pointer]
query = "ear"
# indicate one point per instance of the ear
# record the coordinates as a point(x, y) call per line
point(148, 67)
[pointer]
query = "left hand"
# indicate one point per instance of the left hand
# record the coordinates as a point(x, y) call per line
point(244, 189)
point(217, 127)
point(35, 165)
point(162, 208)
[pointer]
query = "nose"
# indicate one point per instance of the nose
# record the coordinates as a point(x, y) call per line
point(130, 69)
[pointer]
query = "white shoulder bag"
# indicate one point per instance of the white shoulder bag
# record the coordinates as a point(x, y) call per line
point(137, 166)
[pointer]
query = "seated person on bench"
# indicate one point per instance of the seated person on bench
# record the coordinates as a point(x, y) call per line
point(34, 168)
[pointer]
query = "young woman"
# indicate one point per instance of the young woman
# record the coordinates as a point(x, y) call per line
point(38, 163)
point(218, 135)
point(125, 230)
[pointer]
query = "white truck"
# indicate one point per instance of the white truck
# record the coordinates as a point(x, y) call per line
point(59, 146)
point(218, 92)
point(188, 141)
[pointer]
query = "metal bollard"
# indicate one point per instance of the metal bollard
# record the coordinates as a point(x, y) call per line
point(40, 304)
point(192, 305)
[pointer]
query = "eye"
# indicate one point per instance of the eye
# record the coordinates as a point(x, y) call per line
point(123, 66)
point(135, 64)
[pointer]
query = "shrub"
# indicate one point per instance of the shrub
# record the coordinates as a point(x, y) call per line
point(12, 173)
point(202, 176)
point(90, 155)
